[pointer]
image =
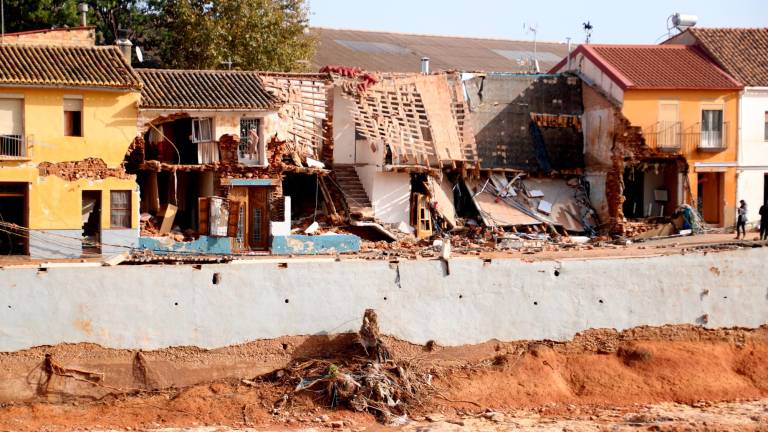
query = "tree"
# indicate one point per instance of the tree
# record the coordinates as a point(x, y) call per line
point(23, 15)
point(251, 34)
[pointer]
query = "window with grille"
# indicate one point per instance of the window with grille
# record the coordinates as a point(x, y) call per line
point(120, 209)
point(250, 148)
point(202, 130)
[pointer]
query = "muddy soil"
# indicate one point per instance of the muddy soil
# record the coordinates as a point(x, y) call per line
point(601, 377)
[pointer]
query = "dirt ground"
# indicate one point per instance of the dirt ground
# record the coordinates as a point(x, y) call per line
point(666, 378)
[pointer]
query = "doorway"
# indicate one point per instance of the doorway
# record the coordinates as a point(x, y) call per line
point(765, 189)
point(634, 181)
point(709, 197)
point(91, 213)
point(13, 210)
point(251, 204)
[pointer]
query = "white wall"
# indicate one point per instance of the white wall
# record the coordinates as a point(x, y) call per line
point(753, 148)
point(343, 128)
point(149, 307)
point(391, 198)
point(595, 75)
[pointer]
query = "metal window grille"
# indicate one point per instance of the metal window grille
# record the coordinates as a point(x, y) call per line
point(256, 230)
point(245, 148)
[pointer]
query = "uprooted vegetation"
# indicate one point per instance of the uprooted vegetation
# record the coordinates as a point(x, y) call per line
point(365, 378)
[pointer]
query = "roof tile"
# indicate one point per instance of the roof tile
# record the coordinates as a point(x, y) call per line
point(742, 52)
point(204, 89)
point(664, 67)
point(65, 66)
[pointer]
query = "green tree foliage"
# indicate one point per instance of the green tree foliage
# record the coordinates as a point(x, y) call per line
point(251, 34)
point(193, 34)
point(23, 15)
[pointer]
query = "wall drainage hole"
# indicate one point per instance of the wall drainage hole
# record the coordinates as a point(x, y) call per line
point(175, 303)
point(535, 303)
point(9, 307)
point(287, 301)
point(385, 299)
point(285, 346)
point(216, 278)
point(600, 301)
point(461, 296)
point(282, 265)
point(557, 272)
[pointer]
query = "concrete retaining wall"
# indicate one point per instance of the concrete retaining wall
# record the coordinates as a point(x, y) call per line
point(465, 301)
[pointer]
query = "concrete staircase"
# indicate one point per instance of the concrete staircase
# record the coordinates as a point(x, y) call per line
point(353, 190)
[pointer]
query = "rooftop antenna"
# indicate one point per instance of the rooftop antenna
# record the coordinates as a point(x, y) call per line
point(533, 28)
point(228, 62)
point(587, 31)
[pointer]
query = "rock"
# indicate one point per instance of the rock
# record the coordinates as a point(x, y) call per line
point(436, 417)
point(324, 418)
point(338, 424)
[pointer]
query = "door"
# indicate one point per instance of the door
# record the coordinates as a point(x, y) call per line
point(13, 219)
point(710, 197)
point(258, 218)
point(91, 213)
point(668, 131)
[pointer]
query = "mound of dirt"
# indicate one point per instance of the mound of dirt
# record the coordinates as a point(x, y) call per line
point(600, 369)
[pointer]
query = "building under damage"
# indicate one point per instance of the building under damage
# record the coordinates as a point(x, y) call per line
point(246, 162)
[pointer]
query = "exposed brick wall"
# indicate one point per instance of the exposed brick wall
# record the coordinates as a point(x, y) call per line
point(77, 36)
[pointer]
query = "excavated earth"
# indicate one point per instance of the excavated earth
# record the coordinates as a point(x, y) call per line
point(647, 378)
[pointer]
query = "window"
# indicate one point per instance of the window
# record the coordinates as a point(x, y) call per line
point(11, 127)
point(120, 209)
point(711, 128)
point(202, 130)
point(251, 149)
point(73, 116)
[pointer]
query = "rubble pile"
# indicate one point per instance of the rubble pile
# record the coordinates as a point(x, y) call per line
point(365, 379)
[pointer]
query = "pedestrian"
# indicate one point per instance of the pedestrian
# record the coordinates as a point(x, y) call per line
point(741, 220)
point(764, 221)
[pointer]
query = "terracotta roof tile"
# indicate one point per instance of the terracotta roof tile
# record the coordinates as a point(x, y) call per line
point(742, 52)
point(657, 67)
point(204, 89)
point(664, 67)
point(60, 66)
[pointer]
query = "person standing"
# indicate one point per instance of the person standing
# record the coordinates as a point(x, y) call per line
point(741, 221)
point(764, 221)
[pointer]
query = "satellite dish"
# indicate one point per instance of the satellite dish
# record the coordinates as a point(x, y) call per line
point(139, 55)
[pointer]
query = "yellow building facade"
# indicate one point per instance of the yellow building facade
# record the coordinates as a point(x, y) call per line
point(64, 131)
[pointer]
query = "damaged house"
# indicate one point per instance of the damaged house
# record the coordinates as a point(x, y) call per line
point(530, 147)
point(678, 109)
point(394, 137)
point(68, 116)
point(213, 149)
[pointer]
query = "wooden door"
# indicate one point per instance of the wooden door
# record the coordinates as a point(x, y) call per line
point(258, 218)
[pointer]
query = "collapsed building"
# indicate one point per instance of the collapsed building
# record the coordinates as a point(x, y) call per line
point(213, 150)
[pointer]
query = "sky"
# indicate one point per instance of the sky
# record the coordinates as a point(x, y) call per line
point(617, 21)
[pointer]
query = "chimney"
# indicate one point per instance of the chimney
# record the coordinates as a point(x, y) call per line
point(569, 54)
point(425, 65)
point(124, 44)
point(82, 9)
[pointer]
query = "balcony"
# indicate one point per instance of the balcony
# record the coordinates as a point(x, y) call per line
point(673, 138)
point(12, 147)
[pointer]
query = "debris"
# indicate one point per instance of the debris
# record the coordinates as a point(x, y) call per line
point(168, 215)
point(312, 228)
point(405, 228)
point(376, 383)
point(116, 259)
